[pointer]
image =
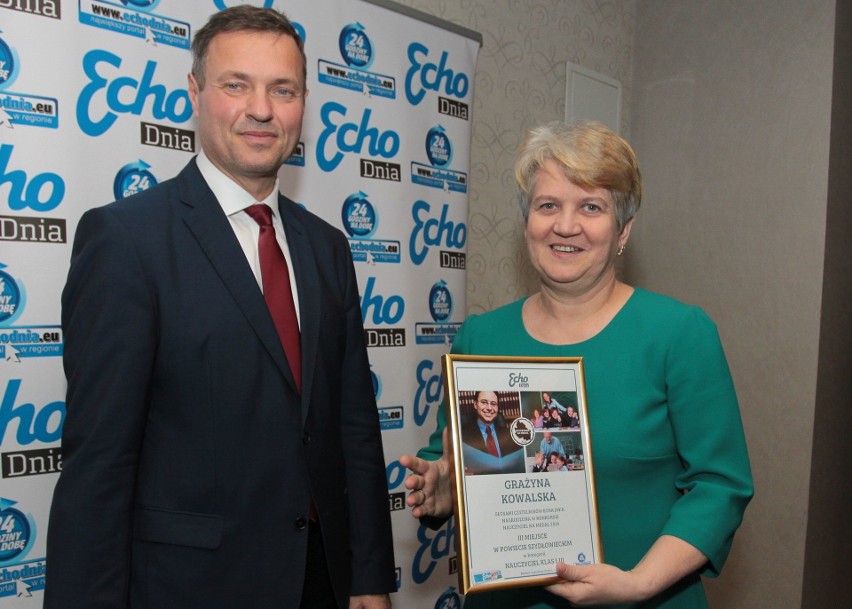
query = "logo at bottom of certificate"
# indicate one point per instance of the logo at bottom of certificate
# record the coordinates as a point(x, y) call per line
point(522, 431)
point(487, 576)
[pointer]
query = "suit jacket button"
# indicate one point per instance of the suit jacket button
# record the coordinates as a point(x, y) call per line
point(306, 439)
point(301, 523)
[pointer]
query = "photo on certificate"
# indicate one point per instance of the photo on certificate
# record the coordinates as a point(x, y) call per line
point(485, 425)
point(522, 469)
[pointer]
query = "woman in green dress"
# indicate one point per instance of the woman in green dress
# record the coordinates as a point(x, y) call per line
point(671, 465)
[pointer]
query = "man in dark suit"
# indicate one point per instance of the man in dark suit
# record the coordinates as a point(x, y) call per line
point(195, 441)
point(487, 431)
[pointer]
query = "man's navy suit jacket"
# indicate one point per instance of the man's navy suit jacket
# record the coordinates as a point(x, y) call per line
point(189, 458)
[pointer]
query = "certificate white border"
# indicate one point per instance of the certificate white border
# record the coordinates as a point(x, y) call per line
point(514, 525)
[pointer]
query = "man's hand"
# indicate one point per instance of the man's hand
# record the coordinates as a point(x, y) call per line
point(370, 601)
point(430, 484)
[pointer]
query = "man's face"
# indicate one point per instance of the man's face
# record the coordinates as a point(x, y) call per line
point(547, 436)
point(486, 406)
point(250, 109)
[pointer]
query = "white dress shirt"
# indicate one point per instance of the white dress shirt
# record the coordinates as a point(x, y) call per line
point(234, 200)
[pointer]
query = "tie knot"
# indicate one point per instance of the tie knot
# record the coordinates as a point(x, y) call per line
point(260, 213)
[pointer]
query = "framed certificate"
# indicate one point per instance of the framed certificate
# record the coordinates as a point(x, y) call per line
point(522, 469)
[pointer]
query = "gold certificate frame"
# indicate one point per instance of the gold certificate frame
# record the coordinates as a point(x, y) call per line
point(524, 486)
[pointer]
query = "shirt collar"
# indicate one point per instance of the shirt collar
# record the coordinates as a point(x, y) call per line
point(483, 426)
point(231, 196)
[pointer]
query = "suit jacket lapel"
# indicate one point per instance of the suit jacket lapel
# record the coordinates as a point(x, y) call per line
point(214, 234)
point(303, 257)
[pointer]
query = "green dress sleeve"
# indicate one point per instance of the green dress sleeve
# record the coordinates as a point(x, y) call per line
point(704, 414)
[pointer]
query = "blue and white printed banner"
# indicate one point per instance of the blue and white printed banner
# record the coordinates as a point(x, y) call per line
point(94, 107)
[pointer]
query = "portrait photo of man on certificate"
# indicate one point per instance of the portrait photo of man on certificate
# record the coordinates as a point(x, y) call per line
point(487, 441)
point(523, 469)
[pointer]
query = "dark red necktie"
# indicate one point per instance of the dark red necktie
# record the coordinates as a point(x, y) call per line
point(277, 290)
point(489, 442)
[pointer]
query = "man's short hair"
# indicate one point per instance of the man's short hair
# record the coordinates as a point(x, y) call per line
point(242, 18)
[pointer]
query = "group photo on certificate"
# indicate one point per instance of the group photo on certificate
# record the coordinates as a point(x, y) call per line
point(590, 445)
point(491, 445)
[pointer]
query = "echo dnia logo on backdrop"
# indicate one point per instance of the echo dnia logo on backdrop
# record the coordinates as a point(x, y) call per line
point(430, 390)
point(430, 231)
point(382, 310)
point(41, 192)
point(108, 84)
point(339, 137)
point(424, 75)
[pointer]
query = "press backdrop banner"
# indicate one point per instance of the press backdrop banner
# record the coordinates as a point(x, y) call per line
point(94, 107)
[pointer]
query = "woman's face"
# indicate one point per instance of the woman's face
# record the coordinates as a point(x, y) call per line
point(571, 233)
